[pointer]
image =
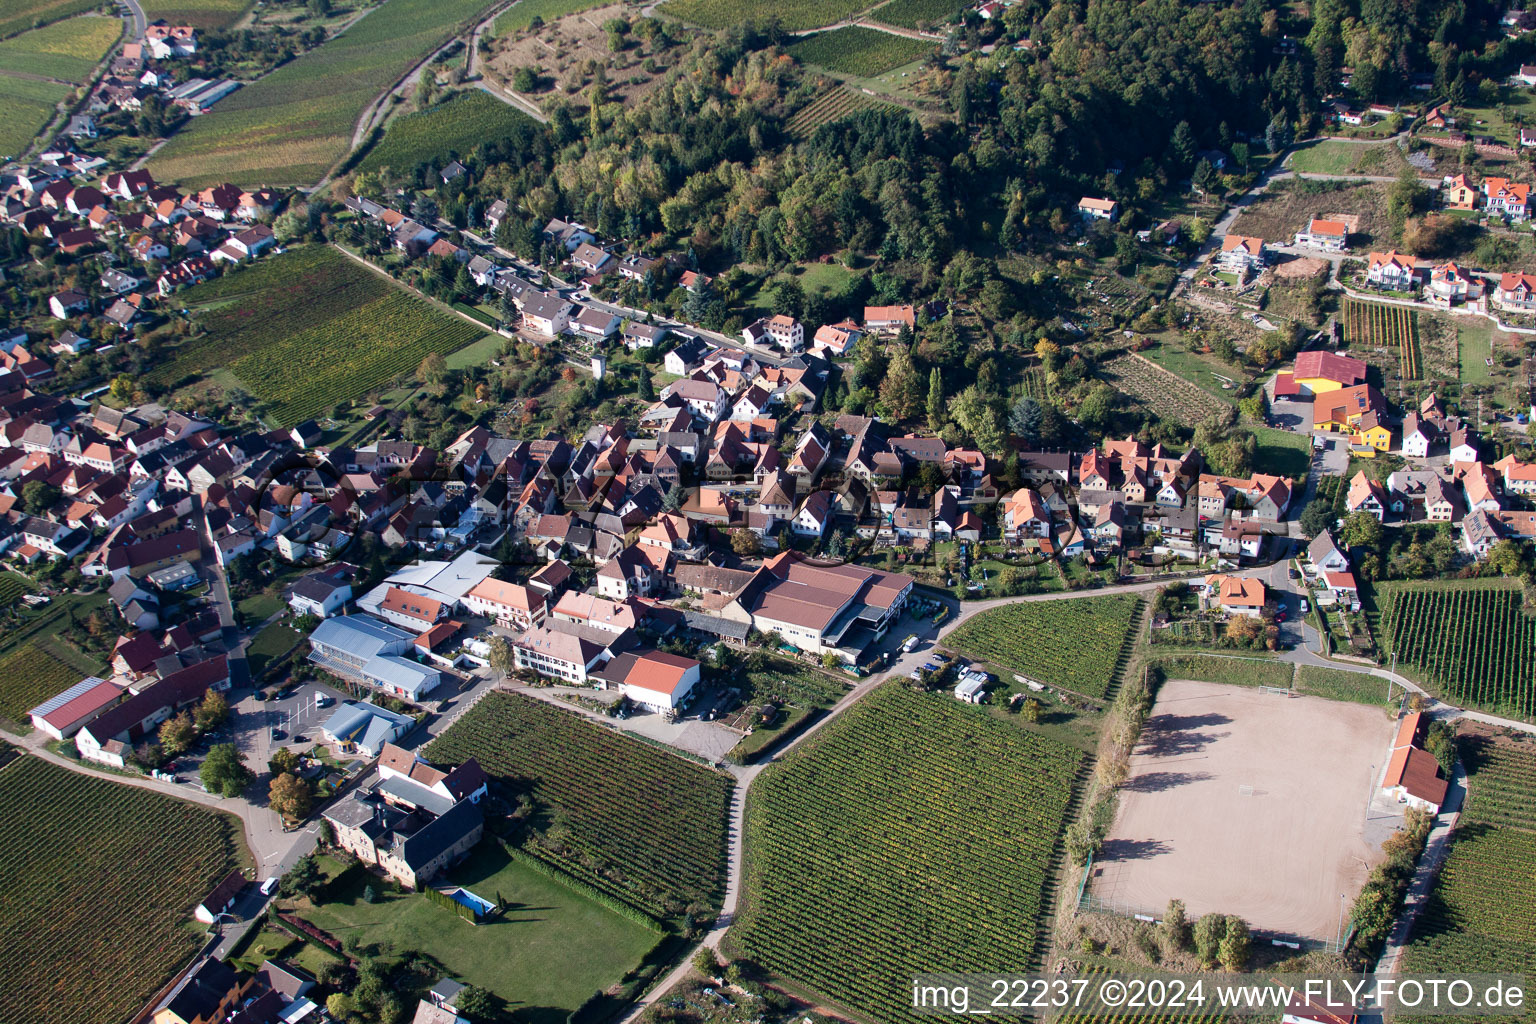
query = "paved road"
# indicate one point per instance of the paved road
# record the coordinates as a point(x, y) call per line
point(218, 588)
point(137, 22)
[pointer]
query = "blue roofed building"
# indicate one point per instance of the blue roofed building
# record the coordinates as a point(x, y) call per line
point(369, 650)
point(364, 727)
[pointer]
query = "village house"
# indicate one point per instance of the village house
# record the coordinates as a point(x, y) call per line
point(167, 41)
point(545, 315)
point(1506, 198)
point(1091, 208)
point(408, 830)
point(889, 319)
point(1241, 255)
point(836, 339)
point(1392, 271)
point(785, 332)
point(1025, 516)
point(1236, 595)
point(1449, 286)
point(1327, 235)
point(1413, 776)
point(1366, 495)
point(563, 650)
point(1460, 194)
point(657, 681)
point(511, 605)
point(1516, 292)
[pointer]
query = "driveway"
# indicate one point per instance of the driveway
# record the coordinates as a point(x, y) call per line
point(1330, 460)
point(1289, 414)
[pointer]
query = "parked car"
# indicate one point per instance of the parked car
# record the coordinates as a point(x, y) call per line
point(1305, 607)
point(269, 886)
point(322, 701)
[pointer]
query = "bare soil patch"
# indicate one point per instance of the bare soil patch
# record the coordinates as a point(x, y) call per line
point(1300, 268)
point(1247, 803)
point(1286, 207)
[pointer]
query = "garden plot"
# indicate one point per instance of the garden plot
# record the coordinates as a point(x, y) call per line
point(1165, 393)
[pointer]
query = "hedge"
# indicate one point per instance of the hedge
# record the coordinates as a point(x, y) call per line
point(577, 885)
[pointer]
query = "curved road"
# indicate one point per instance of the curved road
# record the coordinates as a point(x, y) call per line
point(135, 18)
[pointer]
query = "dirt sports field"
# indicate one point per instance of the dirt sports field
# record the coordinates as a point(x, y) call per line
point(1246, 803)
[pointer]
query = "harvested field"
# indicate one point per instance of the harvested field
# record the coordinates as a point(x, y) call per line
point(1246, 803)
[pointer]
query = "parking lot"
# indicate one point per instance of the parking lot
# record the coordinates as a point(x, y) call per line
point(255, 724)
point(295, 720)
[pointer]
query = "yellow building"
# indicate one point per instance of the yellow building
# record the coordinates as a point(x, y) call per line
point(1318, 373)
point(1459, 195)
point(1370, 436)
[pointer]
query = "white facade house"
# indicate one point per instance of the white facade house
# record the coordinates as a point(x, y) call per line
point(560, 654)
point(656, 680)
point(1326, 235)
point(545, 314)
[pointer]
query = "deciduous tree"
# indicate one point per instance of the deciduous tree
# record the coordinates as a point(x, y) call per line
point(290, 796)
point(224, 772)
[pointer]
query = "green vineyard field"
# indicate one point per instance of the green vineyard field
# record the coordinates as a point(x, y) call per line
point(1470, 640)
point(1481, 913)
point(913, 834)
point(100, 881)
point(1074, 644)
point(309, 329)
point(643, 823)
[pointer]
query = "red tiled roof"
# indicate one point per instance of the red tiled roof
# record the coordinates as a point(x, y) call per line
point(1329, 366)
point(1418, 773)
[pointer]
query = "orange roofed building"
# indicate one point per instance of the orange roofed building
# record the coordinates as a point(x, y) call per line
point(1240, 595)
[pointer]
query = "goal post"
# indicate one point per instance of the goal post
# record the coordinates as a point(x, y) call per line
point(1281, 691)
